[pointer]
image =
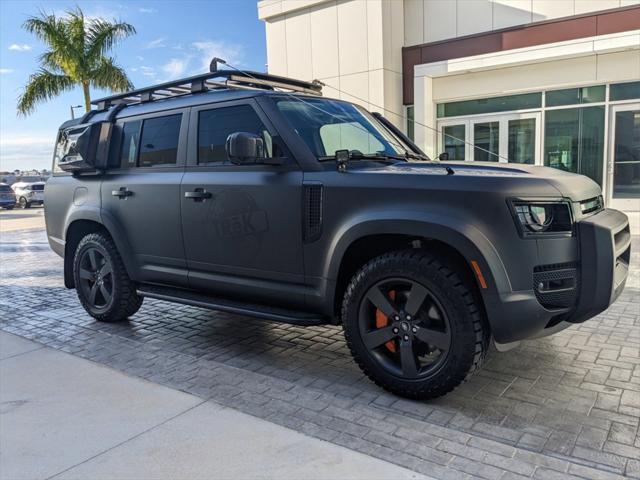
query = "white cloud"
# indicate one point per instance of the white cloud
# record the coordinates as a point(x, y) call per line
point(20, 151)
point(148, 71)
point(4, 71)
point(175, 67)
point(147, 10)
point(157, 43)
point(230, 52)
point(20, 47)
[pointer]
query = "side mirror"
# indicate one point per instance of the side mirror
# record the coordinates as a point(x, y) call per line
point(244, 147)
point(444, 156)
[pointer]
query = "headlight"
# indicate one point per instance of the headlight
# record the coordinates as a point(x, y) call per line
point(543, 218)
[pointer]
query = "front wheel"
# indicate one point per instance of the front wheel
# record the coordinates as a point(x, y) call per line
point(102, 283)
point(413, 325)
point(23, 203)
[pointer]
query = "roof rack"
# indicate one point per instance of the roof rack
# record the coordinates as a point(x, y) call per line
point(215, 79)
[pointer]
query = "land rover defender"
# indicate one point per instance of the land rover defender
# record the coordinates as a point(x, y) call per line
point(249, 193)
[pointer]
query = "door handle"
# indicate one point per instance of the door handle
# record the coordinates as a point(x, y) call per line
point(198, 194)
point(122, 192)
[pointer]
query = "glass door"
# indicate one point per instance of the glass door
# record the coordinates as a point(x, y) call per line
point(513, 138)
point(453, 139)
point(624, 160)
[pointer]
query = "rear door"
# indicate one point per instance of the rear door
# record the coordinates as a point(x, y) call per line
point(141, 197)
point(244, 238)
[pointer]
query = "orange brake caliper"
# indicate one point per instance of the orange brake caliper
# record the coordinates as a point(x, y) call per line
point(382, 321)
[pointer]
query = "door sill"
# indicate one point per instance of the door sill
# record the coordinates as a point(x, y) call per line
point(197, 299)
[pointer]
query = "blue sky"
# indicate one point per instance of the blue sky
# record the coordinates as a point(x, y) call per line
point(174, 39)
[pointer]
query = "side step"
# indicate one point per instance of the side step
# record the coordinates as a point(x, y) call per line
point(196, 299)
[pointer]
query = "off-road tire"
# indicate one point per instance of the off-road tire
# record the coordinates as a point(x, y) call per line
point(125, 301)
point(470, 336)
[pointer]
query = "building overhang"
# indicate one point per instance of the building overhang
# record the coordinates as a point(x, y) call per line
point(269, 9)
point(598, 45)
point(545, 33)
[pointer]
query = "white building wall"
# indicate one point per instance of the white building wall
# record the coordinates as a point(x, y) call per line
point(429, 21)
point(353, 46)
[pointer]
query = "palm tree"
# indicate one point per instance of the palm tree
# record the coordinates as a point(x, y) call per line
point(77, 56)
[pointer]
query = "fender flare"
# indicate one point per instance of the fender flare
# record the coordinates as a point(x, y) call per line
point(94, 214)
point(458, 233)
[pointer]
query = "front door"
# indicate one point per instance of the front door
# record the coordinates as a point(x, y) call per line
point(141, 196)
point(241, 223)
point(623, 170)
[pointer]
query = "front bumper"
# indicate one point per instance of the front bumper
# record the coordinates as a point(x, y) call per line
point(604, 244)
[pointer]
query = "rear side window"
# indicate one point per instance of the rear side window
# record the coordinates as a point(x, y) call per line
point(214, 126)
point(5, 188)
point(159, 141)
point(37, 188)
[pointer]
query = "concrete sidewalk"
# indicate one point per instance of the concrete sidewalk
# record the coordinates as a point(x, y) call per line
point(64, 417)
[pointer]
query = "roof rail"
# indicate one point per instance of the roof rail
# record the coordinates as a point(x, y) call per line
point(216, 79)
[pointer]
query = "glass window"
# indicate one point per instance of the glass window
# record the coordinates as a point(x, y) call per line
point(214, 126)
point(453, 139)
point(488, 105)
point(129, 148)
point(328, 125)
point(486, 141)
point(159, 142)
point(574, 140)
point(522, 140)
point(411, 126)
point(573, 96)
point(624, 91)
point(626, 167)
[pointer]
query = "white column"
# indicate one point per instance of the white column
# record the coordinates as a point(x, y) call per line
point(425, 115)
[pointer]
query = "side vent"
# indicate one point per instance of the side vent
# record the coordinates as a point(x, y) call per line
point(312, 211)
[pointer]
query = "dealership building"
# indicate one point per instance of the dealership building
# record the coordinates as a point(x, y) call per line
point(545, 82)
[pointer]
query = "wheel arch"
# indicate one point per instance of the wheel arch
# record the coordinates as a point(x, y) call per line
point(80, 226)
point(456, 238)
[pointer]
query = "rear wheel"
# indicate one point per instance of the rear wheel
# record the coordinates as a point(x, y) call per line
point(103, 286)
point(413, 325)
point(8, 207)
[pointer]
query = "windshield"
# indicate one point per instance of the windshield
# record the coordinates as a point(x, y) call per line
point(329, 125)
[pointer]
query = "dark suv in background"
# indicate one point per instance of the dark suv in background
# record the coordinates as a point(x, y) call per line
point(252, 194)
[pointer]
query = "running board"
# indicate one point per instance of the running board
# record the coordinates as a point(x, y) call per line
point(196, 299)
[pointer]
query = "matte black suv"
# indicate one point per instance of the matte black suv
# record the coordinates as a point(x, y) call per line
point(252, 194)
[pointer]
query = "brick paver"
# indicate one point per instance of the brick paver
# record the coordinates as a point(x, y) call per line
point(567, 406)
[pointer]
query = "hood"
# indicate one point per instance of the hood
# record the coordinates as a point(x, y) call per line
point(570, 185)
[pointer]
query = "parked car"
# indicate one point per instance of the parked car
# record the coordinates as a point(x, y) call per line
point(7, 197)
point(28, 194)
point(252, 194)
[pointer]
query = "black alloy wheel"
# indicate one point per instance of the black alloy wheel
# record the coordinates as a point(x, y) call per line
point(96, 278)
point(101, 280)
point(413, 323)
point(414, 336)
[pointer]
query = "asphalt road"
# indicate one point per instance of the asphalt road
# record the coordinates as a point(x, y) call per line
point(19, 219)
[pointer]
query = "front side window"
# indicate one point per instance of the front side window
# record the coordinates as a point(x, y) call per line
point(159, 141)
point(214, 126)
point(330, 125)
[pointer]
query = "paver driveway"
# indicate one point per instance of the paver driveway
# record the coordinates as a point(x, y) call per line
point(563, 406)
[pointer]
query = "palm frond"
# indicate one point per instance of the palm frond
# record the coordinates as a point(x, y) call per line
point(110, 76)
point(103, 36)
point(42, 85)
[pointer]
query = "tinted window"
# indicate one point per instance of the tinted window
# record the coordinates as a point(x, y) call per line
point(214, 126)
point(129, 150)
point(37, 188)
point(5, 188)
point(159, 142)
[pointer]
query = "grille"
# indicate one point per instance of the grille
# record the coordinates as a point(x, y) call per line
point(312, 212)
point(556, 285)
